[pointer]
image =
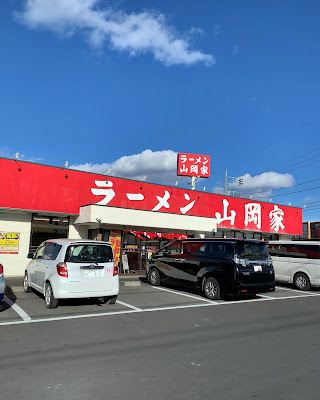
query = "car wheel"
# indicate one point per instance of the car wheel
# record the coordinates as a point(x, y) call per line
point(51, 302)
point(105, 300)
point(113, 300)
point(211, 289)
point(154, 278)
point(301, 281)
point(102, 300)
point(26, 287)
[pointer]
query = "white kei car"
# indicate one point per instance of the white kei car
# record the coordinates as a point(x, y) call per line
point(65, 269)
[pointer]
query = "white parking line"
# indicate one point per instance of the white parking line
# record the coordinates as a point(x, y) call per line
point(17, 309)
point(264, 299)
point(186, 295)
point(177, 307)
point(134, 310)
point(267, 297)
point(299, 291)
point(31, 321)
point(129, 306)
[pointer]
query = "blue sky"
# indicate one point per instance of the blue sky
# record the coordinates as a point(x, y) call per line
point(125, 85)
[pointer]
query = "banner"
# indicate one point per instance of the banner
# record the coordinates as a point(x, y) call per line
point(20, 190)
point(9, 242)
point(115, 240)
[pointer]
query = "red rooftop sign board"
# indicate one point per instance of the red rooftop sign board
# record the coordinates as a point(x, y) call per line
point(193, 165)
point(34, 187)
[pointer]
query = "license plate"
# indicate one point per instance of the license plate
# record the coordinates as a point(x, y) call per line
point(91, 273)
point(257, 268)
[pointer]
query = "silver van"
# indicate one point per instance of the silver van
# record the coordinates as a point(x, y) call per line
point(296, 262)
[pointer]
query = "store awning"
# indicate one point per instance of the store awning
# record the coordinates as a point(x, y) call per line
point(141, 220)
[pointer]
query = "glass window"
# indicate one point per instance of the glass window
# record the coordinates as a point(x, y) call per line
point(51, 251)
point(89, 253)
point(252, 250)
point(194, 248)
point(229, 234)
point(238, 234)
point(174, 248)
point(219, 233)
point(220, 249)
point(295, 250)
point(209, 249)
point(40, 252)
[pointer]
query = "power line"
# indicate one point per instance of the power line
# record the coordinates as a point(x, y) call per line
point(274, 174)
point(291, 132)
point(270, 175)
point(311, 202)
point(287, 187)
point(286, 194)
point(312, 207)
point(302, 155)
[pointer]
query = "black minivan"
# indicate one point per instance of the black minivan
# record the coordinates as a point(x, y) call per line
point(215, 266)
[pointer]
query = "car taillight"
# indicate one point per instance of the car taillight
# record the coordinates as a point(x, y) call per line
point(62, 269)
point(1, 269)
point(115, 269)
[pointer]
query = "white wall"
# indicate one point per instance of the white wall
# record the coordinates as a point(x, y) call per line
point(14, 264)
point(77, 231)
point(142, 220)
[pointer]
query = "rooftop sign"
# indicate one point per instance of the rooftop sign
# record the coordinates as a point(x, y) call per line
point(193, 165)
point(42, 188)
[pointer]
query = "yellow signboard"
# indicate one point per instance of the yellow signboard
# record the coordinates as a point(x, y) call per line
point(9, 242)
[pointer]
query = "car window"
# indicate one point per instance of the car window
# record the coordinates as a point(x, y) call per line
point(51, 251)
point(40, 252)
point(174, 248)
point(89, 253)
point(253, 250)
point(294, 250)
point(194, 248)
point(221, 250)
point(209, 249)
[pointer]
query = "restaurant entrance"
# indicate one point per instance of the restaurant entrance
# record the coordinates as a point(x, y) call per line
point(136, 250)
point(138, 247)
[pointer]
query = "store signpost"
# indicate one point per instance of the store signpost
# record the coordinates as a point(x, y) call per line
point(194, 165)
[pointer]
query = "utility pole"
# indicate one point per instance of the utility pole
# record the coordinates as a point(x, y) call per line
point(193, 182)
point(235, 180)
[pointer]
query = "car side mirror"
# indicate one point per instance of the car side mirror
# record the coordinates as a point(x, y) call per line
point(30, 255)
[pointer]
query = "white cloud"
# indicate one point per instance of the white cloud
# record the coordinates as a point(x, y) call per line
point(4, 152)
point(135, 33)
point(157, 166)
point(236, 50)
point(259, 186)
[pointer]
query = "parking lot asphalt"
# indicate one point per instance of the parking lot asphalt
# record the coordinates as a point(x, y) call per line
point(136, 296)
point(161, 343)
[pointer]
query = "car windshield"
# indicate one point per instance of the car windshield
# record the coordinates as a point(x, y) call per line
point(78, 253)
point(253, 250)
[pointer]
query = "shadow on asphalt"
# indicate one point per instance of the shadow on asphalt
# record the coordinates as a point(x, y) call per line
point(291, 286)
point(74, 302)
point(199, 293)
point(11, 296)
